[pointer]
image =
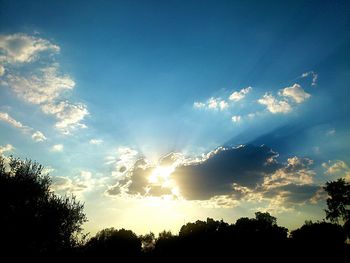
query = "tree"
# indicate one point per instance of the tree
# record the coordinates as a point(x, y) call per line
point(319, 234)
point(338, 201)
point(33, 220)
point(111, 242)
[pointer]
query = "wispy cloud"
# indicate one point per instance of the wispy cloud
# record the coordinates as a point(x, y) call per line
point(236, 118)
point(21, 48)
point(57, 148)
point(5, 117)
point(2, 70)
point(43, 85)
point(36, 136)
point(337, 168)
point(96, 141)
point(313, 75)
point(239, 95)
point(212, 104)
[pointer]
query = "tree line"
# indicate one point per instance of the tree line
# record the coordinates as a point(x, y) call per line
point(37, 223)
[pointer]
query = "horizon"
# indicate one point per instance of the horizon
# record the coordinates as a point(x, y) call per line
point(155, 114)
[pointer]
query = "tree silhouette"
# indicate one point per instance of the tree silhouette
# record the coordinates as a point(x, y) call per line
point(33, 220)
point(111, 242)
point(338, 201)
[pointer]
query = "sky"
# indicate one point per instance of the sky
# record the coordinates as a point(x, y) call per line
point(158, 113)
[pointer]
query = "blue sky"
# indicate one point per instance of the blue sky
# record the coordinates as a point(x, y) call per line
point(102, 92)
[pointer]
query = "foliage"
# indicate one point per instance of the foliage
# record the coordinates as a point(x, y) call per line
point(338, 201)
point(33, 219)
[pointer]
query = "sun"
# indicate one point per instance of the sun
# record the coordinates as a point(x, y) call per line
point(161, 175)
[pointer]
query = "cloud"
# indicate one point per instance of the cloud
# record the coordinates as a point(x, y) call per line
point(9, 120)
point(135, 175)
point(274, 105)
point(2, 70)
point(96, 141)
point(236, 118)
point(38, 136)
point(21, 48)
point(221, 104)
point(337, 168)
point(239, 95)
point(6, 148)
point(121, 161)
point(224, 177)
point(83, 182)
point(212, 104)
point(331, 132)
point(57, 148)
point(314, 77)
point(43, 85)
point(199, 105)
point(296, 172)
point(69, 115)
point(215, 174)
point(295, 92)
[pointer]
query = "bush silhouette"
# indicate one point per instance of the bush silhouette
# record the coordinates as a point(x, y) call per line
point(33, 220)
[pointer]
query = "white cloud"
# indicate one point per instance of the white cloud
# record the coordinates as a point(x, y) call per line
point(44, 86)
point(57, 148)
point(331, 132)
point(38, 136)
point(69, 115)
point(239, 95)
point(8, 119)
point(236, 118)
point(6, 148)
point(314, 77)
point(199, 105)
point(21, 48)
point(295, 92)
point(274, 105)
point(336, 167)
point(223, 105)
point(85, 181)
point(2, 70)
point(96, 141)
point(212, 104)
point(123, 160)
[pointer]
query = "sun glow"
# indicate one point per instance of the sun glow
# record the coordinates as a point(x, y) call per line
point(161, 176)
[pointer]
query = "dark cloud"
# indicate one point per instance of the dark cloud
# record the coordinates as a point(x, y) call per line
point(245, 165)
point(158, 190)
point(293, 194)
point(227, 176)
point(139, 177)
